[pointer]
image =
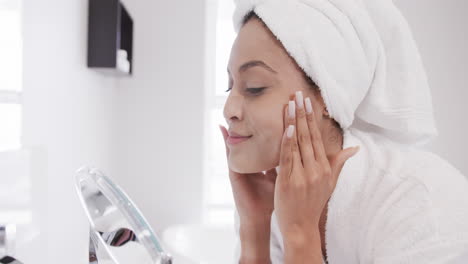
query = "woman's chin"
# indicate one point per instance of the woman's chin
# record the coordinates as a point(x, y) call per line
point(248, 168)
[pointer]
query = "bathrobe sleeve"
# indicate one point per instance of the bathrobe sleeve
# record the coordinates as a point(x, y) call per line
point(422, 221)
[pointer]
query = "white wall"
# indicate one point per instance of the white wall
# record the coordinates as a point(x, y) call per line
point(160, 112)
point(145, 132)
point(67, 121)
point(440, 29)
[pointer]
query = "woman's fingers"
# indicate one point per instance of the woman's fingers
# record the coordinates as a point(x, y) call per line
point(319, 150)
point(225, 135)
point(271, 174)
point(286, 156)
point(285, 117)
point(303, 133)
point(224, 132)
point(290, 156)
point(292, 121)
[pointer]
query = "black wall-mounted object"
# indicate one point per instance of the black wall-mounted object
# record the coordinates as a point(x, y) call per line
point(110, 28)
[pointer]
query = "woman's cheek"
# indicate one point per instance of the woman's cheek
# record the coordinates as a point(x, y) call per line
point(273, 146)
point(277, 150)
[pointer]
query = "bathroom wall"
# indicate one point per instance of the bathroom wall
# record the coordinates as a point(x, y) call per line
point(145, 132)
point(439, 28)
point(68, 111)
point(159, 128)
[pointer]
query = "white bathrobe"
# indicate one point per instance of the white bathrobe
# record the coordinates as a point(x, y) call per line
point(391, 205)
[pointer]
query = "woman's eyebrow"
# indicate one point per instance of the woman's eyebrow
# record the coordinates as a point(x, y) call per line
point(255, 63)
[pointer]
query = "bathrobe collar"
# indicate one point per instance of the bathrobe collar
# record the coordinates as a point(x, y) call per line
point(344, 201)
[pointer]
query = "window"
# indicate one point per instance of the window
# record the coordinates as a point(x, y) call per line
point(218, 201)
point(11, 74)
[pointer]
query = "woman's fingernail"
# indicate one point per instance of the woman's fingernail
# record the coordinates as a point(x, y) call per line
point(308, 105)
point(299, 99)
point(290, 131)
point(292, 109)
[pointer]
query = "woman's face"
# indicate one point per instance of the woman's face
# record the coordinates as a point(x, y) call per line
point(258, 60)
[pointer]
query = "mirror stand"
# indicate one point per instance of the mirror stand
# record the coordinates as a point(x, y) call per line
point(118, 231)
point(97, 250)
point(7, 244)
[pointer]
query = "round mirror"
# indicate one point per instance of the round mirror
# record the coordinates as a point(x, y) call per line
point(118, 231)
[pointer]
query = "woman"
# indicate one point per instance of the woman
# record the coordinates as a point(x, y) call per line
point(309, 81)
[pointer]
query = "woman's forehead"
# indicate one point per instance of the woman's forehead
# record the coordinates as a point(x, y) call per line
point(255, 43)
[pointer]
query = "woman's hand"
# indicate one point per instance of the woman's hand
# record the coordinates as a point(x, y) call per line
point(253, 195)
point(306, 176)
point(253, 192)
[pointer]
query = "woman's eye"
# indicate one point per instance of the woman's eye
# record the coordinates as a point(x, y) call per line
point(250, 90)
point(255, 90)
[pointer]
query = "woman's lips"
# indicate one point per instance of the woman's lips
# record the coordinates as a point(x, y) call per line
point(236, 140)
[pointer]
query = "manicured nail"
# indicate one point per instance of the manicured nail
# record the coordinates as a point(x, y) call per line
point(290, 131)
point(292, 109)
point(299, 99)
point(308, 105)
point(277, 170)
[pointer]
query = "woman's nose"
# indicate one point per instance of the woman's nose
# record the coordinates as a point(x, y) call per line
point(233, 109)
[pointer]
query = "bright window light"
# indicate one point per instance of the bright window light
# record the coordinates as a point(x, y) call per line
point(10, 74)
point(10, 47)
point(10, 126)
point(218, 194)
